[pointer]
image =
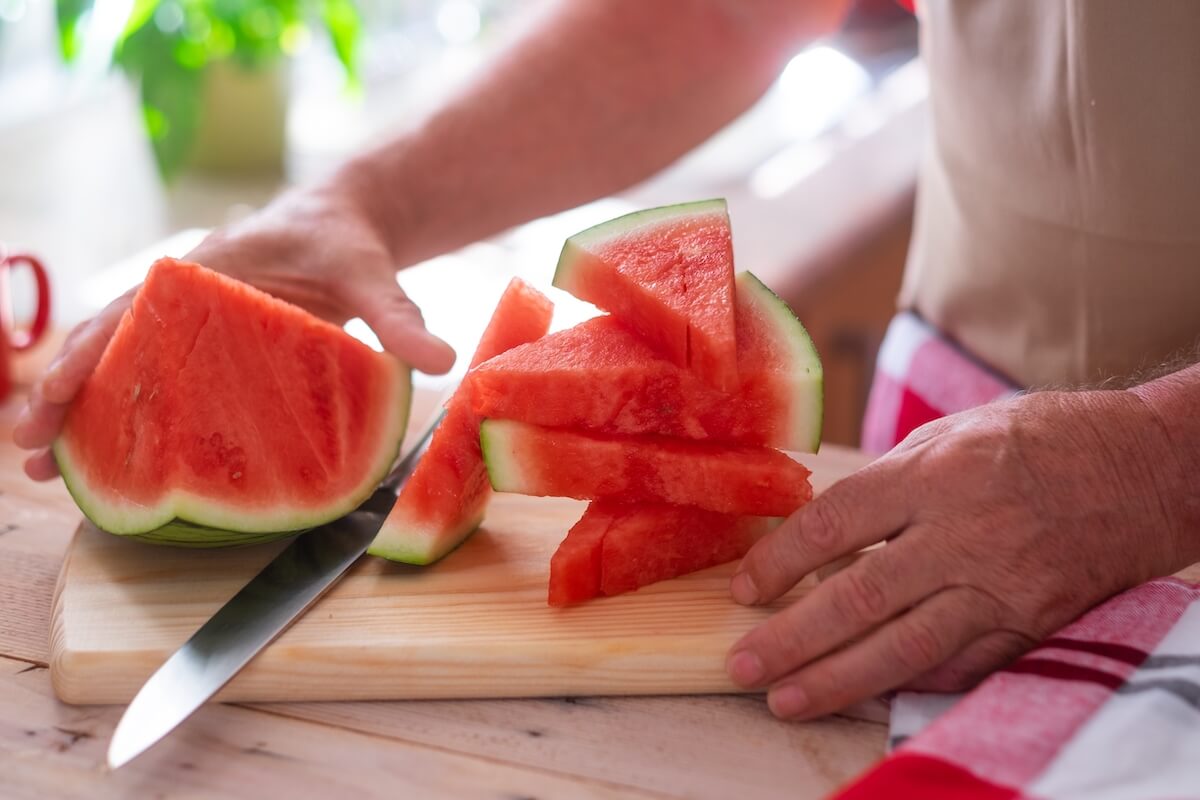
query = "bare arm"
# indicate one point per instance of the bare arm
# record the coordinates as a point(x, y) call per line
point(597, 95)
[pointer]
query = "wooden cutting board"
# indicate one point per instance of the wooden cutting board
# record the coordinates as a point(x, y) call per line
point(474, 625)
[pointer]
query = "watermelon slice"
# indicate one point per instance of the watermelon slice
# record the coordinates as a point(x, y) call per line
point(444, 500)
point(600, 376)
point(220, 415)
point(668, 274)
point(616, 548)
point(532, 460)
point(575, 565)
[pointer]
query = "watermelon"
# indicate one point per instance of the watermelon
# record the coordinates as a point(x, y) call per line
point(668, 274)
point(575, 565)
point(443, 501)
point(533, 460)
point(600, 376)
point(617, 548)
point(220, 415)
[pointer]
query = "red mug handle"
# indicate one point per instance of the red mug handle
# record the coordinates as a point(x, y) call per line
point(41, 317)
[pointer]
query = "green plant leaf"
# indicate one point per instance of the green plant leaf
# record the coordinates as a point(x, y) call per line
point(171, 111)
point(170, 92)
point(344, 25)
point(69, 16)
point(139, 15)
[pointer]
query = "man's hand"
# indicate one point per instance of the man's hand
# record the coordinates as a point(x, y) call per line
point(1002, 525)
point(315, 248)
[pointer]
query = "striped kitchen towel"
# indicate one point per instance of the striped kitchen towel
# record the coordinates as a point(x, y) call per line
point(921, 376)
point(1107, 709)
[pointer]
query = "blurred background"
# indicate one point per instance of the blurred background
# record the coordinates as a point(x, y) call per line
point(130, 127)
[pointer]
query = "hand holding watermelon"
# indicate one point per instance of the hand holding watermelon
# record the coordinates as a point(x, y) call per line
point(314, 248)
point(1003, 524)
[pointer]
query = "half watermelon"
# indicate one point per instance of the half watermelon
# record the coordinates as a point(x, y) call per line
point(617, 548)
point(443, 501)
point(668, 274)
point(554, 462)
point(600, 376)
point(220, 415)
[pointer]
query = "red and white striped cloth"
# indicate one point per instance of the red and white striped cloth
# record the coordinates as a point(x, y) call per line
point(919, 377)
point(1107, 709)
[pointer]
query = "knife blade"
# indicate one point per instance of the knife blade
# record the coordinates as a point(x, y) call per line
point(273, 599)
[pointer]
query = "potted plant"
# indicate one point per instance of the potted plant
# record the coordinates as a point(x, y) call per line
point(210, 73)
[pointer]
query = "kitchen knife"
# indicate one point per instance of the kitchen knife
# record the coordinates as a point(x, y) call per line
point(255, 616)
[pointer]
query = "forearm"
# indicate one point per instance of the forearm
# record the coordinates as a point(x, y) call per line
point(595, 97)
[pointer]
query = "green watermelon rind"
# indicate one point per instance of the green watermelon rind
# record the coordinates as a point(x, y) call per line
point(184, 520)
point(575, 247)
point(807, 403)
point(178, 533)
point(401, 541)
point(495, 441)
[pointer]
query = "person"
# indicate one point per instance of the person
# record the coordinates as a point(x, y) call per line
point(1056, 241)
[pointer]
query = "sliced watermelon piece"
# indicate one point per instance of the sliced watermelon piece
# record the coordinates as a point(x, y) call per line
point(601, 377)
point(532, 460)
point(575, 565)
point(444, 500)
point(668, 274)
point(617, 548)
point(220, 415)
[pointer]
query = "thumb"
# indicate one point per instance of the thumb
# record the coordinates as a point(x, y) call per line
point(398, 323)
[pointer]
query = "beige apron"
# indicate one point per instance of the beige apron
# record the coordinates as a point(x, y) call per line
point(1058, 218)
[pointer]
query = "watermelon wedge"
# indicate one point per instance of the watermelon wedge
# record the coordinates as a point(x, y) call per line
point(617, 548)
point(575, 566)
point(444, 500)
point(220, 415)
point(532, 460)
point(600, 376)
point(668, 274)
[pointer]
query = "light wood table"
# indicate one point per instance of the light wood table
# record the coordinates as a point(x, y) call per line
point(695, 747)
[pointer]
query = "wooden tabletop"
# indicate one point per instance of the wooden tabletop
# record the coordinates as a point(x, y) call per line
point(695, 747)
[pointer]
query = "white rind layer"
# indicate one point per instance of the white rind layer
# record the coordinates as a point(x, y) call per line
point(497, 440)
point(411, 542)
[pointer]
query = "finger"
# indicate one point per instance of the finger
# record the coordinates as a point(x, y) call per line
point(904, 648)
point(399, 325)
point(41, 467)
point(39, 423)
point(990, 652)
point(78, 358)
point(864, 508)
point(880, 585)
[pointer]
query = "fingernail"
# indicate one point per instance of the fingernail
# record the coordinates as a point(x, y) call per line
point(743, 589)
point(787, 701)
point(745, 668)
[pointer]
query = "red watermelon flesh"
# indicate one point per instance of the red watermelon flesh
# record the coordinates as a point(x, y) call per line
point(532, 460)
point(217, 405)
point(668, 274)
point(575, 565)
point(522, 315)
point(443, 501)
point(617, 548)
point(602, 377)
